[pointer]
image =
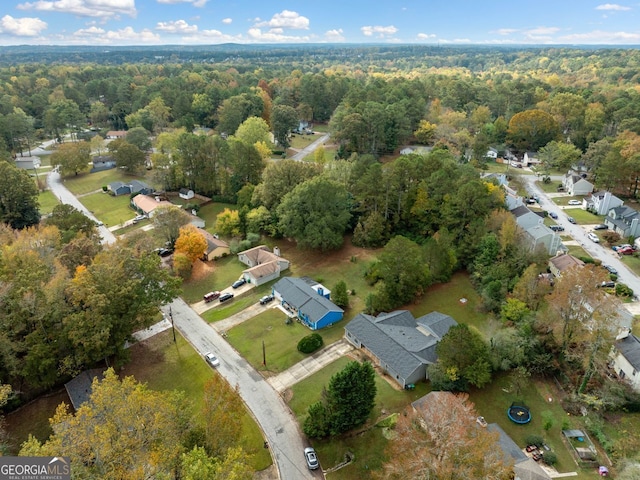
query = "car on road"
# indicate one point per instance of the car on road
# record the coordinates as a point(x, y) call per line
point(238, 283)
point(593, 237)
point(610, 269)
point(574, 202)
point(266, 299)
point(211, 296)
point(553, 215)
point(211, 359)
point(571, 220)
point(225, 296)
point(602, 226)
point(99, 223)
point(311, 458)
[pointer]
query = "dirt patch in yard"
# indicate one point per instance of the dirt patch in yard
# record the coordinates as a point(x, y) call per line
point(201, 270)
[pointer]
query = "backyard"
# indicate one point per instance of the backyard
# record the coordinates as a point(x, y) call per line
point(108, 209)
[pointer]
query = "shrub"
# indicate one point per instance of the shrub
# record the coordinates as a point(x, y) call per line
point(105, 188)
point(536, 440)
point(310, 343)
point(550, 458)
point(623, 290)
point(192, 206)
point(547, 420)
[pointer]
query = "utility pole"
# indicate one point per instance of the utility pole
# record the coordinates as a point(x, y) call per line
point(172, 325)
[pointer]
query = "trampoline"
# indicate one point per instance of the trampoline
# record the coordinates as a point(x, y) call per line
point(519, 414)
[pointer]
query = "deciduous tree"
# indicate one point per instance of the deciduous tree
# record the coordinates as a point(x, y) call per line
point(168, 221)
point(440, 439)
point(532, 129)
point(18, 197)
point(191, 243)
point(228, 222)
point(222, 416)
point(283, 119)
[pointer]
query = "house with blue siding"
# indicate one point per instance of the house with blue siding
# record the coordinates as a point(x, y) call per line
point(309, 300)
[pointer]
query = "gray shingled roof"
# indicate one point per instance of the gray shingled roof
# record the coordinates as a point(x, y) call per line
point(117, 184)
point(79, 387)
point(137, 186)
point(629, 347)
point(508, 446)
point(299, 294)
point(396, 339)
point(520, 211)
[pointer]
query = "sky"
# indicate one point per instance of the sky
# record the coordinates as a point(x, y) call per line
point(205, 22)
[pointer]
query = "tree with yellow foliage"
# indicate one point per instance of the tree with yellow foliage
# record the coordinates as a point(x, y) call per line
point(191, 243)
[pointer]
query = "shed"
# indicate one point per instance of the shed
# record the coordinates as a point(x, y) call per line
point(186, 193)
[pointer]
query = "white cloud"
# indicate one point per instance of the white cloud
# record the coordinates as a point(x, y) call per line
point(601, 37)
point(335, 35)
point(98, 36)
point(286, 19)
point(22, 27)
point(178, 26)
point(505, 31)
point(379, 31)
point(612, 7)
point(274, 35)
point(426, 36)
point(542, 31)
point(89, 32)
point(84, 8)
point(212, 36)
point(227, 21)
point(196, 3)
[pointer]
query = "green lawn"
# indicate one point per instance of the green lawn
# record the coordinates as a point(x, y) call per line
point(367, 447)
point(280, 340)
point(551, 187)
point(111, 210)
point(583, 217)
point(48, 201)
point(445, 298)
point(329, 155)
point(209, 213)
point(493, 401)
point(225, 271)
point(578, 251)
point(302, 141)
point(89, 182)
point(632, 262)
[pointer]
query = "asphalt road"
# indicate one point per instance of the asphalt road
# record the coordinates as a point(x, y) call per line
point(278, 424)
point(310, 148)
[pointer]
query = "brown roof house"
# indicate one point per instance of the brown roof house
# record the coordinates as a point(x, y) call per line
point(562, 263)
point(146, 204)
point(264, 265)
point(216, 248)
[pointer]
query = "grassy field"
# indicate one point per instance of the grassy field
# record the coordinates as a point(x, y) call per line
point(493, 401)
point(329, 154)
point(445, 298)
point(583, 217)
point(302, 141)
point(578, 251)
point(48, 201)
point(209, 276)
point(632, 262)
point(551, 187)
point(368, 447)
point(209, 212)
point(111, 210)
point(280, 340)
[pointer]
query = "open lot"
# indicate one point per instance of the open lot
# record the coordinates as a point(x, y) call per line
point(48, 201)
point(111, 210)
point(280, 340)
point(583, 217)
point(209, 276)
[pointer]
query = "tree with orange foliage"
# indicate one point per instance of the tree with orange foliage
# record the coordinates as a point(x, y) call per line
point(191, 243)
point(439, 439)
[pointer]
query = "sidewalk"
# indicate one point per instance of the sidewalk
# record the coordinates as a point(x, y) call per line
point(310, 365)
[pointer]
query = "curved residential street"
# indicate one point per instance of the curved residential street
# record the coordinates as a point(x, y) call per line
point(308, 150)
point(278, 424)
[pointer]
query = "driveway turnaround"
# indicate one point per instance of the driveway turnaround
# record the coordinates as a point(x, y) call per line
point(278, 424)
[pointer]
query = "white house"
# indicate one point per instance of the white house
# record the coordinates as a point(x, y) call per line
point(491, 153)
point(574, 184)
point(601, 202)
point(626, 358)
point(530, 158)
point(263, 264)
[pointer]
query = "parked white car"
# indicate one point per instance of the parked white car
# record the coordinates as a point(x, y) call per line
point(593, 237)
point(575, 202)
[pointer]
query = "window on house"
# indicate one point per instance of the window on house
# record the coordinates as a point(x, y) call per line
point(621, 374)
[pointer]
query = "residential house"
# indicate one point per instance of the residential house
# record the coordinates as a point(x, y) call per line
point(309, 300)
point(601, 202)
point(541, 236)
point(626, 358)
point(28, 162)
point(574, 184)
point(113, 134)
point(119, 188)
point(500, 178)
point(186, 193)
point(526, 218)
point(524, 467)
point(401, 345)
point(623, 220)
point(512, 199)
point(563, 262)
point(146, 204)
point(491, 153)
point(135, 186)
point(216, 248)
point(79, 387)
point(263, 264)
point(530, 159)
point(102, 162)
